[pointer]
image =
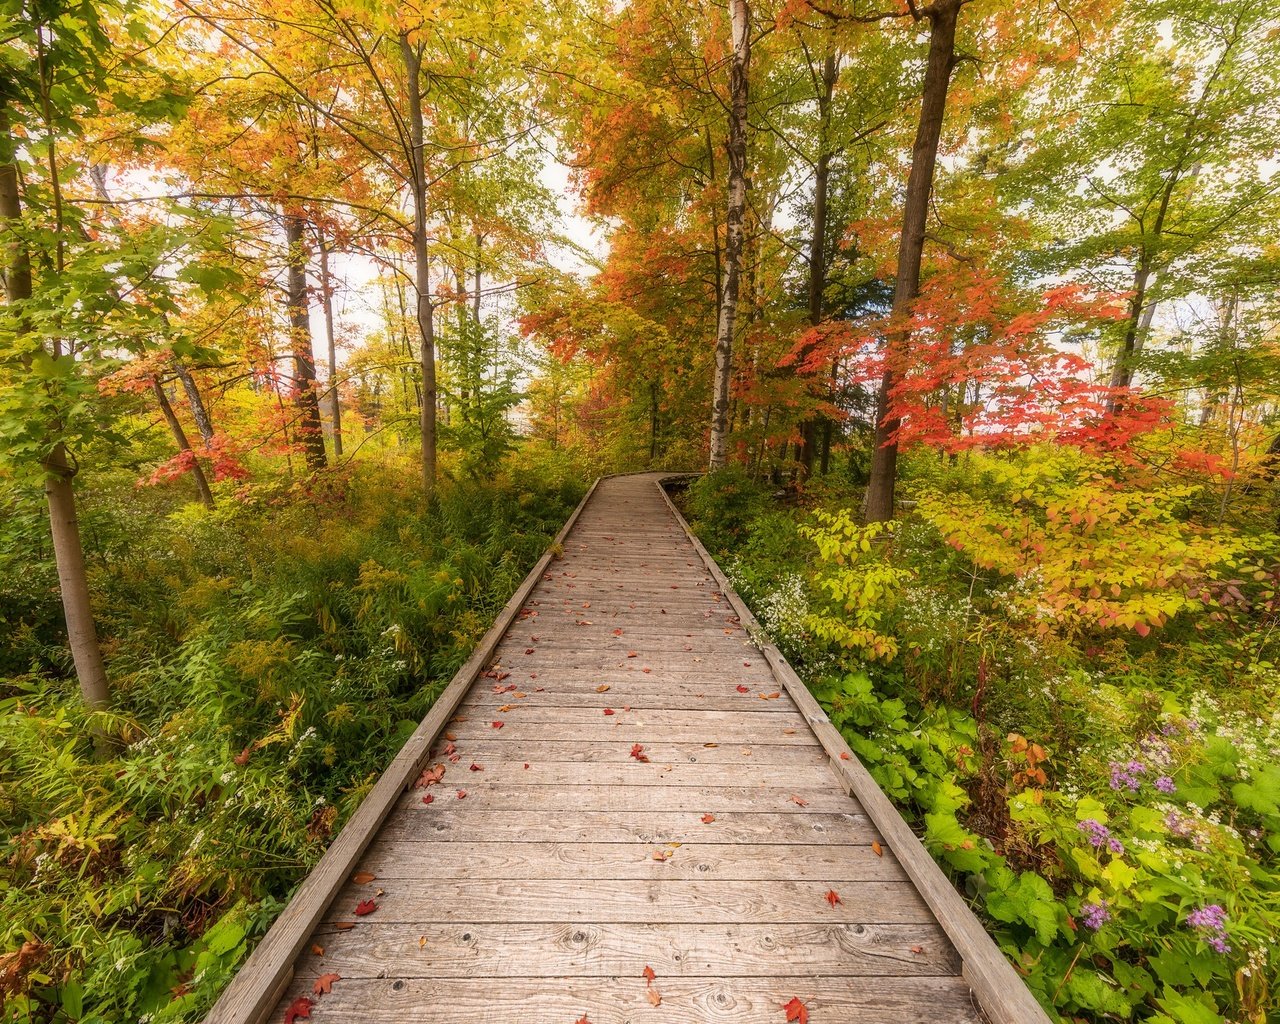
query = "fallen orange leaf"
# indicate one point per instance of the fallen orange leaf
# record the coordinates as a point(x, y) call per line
point(637, 751)
point(833, 897)
point(345, 926)
point(428, 799)
point(844, 755)
point(602, 688)
point(797, 1011)
point(799, 801)
point(317, 949)
point(324, 984)
point(655, 999)
point(462, 794)
point(648, 974)
point(498, 725)
point(300, 1007)
point(876, 848)
point(708, 818)
point(363, 877)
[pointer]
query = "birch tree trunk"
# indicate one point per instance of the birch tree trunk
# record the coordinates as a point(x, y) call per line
point(740, 19)
point(326, 289)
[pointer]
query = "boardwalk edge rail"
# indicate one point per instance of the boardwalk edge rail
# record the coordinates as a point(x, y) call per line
point(1000, 991)
point(263, 978)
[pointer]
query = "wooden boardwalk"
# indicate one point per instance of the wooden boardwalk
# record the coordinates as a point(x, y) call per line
point(629, 782)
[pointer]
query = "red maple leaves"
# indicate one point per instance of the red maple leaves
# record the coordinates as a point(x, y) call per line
point(797, 1011)
point(300, 1007)
point(366, 907)
point(637, 751)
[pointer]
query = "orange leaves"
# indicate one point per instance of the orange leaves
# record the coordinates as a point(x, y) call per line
point(832, 897)
point(602, 688)
point(799, 801)
point(637, 751)
point(708, 818)
point(876, 848)
point(651, 993)
point(363, 877)
point(299, 1008)
point(430, 776)
point(476, 767)
point(797, 1011)
point(324, 984)
point(648, 975)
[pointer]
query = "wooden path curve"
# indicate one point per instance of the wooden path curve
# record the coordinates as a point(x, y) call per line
point(629, 782)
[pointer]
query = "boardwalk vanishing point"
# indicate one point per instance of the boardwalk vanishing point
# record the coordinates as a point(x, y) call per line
point(622, 780)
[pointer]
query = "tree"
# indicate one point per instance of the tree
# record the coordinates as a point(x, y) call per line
point(739, 69)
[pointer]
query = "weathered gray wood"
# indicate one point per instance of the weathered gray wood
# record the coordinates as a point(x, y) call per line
point(252, 992)
point(1001, 993)
point(618, 750)
point(500, 774)
point(736, 862)
point(624, 1001)
point(515, 731)
point(469, 949)
point(658, 799)
point(461, 822)
point(669, 901)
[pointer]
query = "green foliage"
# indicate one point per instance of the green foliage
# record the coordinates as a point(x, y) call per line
point(269, 659)
point(1111, 806)
point(482, 390)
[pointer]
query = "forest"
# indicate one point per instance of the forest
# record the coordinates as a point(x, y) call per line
point(320, 316)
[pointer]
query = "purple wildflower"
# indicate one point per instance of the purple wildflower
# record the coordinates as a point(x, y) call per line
point(1127, 776)
point(1097, 832)
point(1177, 824)
point(1115, 846)
point(1095, 914)
point(1213, 919)
point(1165, 784)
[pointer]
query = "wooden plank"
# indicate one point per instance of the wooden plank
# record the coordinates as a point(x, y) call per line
point(469, 949)
point(648, 718)
point(669, 901)
point(1000, 991)
point(624, 1001)
point(464, 822)
point(501, 773)
point(620, 695)
point(657, 799)
point(252, 991)
point(580, 751)
point(515, 731)
point(740, 862)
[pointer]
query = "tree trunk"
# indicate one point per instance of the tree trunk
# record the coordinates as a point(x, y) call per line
point(196, 402)
point(818, 243)
point(180, 436)
point(422, 268)
point(326, 290)
point(68, 552)
point(310, 431)
point(942, 16)
point(740, 17)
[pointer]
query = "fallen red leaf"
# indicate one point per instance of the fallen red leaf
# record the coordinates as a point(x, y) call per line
point(637, 751)
point(455, 758)
point(428, 799)
point(832, 897)
point(617, 632)
point(742, 689)
point(632, 654)
point(648, 975)
point(582, 1020)
point(449, 749)
point(366, 907)
point(462, 794)
point(797, 1011)
point(646, 671)
point(476, 767)
point(917, 949)
point(844, 755)
point(318, 950)
point(528, 650)
point(430, 776)
point(526, 765)
point(498, 725)
point(324, 984)
point(799, 801)
point(300, 1007)
point(608, 711)
point(708, 818)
